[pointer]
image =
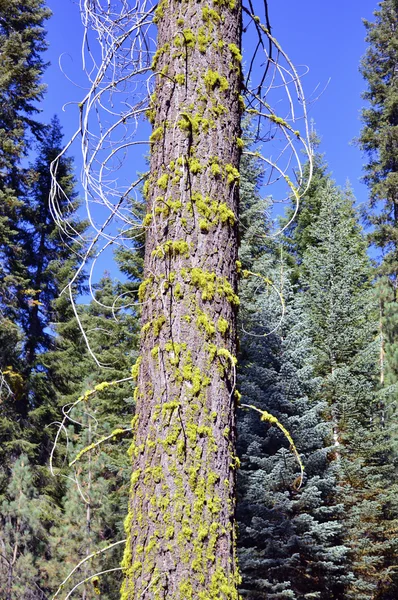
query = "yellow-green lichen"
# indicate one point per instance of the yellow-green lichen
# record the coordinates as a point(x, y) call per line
point(215, 169)
point(156, 135)
point(194, 166)
point(193, 123)
point(162, 181)
point(180, 78)
point(203, 40)
point(232, 174)
point(237, 395)
point(147, 220)
point(214, 212)
point(158, 324)
point(155, 351)
point(170, 248)
point(204, 280)
point(225, 3)
point(186, 37)
point(205, 324)
point(278, 120)
point(174, 349)
point(177, 291)
point(143, 287)
point(236, 53)
point(204, 225)
point(145, 188)
point(210, 17)
point(159, 12)
point(168, 207)
point(222, 325)
point(210, 284)
point(213, 80)
point(135, 368)
point(145, 328)
point(224, 353)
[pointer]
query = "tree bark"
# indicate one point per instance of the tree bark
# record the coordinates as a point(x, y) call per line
point(180, 525)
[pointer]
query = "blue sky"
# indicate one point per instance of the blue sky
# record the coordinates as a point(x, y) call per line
point(328, 37)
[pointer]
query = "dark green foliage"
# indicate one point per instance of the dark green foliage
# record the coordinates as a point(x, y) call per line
point(379, 136)
point(379, 141)
point(86, 526)
point(22, 39)
point(41, 264)
point(25, 513)
point(297, 236)
point(336, 277)
point(22, 42)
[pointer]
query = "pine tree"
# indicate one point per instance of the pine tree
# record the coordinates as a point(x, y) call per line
point(91, 512)
point(41, 263)
point(379, 137)
point(22, 40)
point(24, 516)
point(87, 525)
point(337, 279)
point(379, 140)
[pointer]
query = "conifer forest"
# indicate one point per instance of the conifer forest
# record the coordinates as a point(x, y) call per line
point(198, 323)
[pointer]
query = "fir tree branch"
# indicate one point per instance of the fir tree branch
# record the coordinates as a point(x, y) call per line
point(266, 416)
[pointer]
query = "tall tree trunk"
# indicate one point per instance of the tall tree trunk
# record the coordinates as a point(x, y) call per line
point(180, 525)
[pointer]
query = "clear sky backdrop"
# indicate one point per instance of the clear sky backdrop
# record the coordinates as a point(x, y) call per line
point(326, 36)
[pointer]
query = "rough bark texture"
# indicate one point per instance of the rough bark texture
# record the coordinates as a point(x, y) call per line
point(180, 526)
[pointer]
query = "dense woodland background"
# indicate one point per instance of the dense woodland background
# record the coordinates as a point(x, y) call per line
point(329, 374)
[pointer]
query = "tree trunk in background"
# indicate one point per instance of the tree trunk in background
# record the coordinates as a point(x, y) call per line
point(180, 526)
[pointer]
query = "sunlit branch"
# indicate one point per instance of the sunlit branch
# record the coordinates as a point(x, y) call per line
point(89, 557)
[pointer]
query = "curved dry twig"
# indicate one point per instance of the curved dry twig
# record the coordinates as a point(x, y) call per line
point(269, 283)
point(84, 560)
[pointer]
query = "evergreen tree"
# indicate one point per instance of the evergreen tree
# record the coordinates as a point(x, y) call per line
point(22, 39)
point(289, 540)
point(41, 263)
point(337, 277)
point(297, 236)
point(24, 516)
point(337, 281)
point(92, 510)
point(379, 140)
point(87, 525)
point(379, 136)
